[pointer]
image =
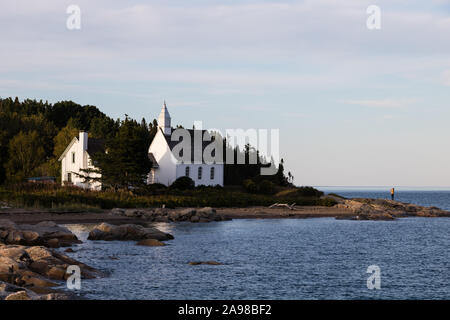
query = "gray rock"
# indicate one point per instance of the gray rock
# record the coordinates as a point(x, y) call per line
point(135, 232)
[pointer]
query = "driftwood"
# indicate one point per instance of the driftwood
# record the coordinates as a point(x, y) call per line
point(283, 205)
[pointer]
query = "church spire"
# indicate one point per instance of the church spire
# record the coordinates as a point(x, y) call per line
point(164, 120)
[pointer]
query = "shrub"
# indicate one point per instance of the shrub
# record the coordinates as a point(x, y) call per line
point(266, 187)
point(183, 183)
point(250, 186)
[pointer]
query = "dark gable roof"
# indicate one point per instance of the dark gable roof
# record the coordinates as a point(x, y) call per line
point(172, 143)
point(95, 145)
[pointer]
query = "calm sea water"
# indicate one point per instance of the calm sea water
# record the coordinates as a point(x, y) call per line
point(280, 259)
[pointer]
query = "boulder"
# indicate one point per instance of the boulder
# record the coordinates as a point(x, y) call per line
point(21, 295)
point(133, 213)
point(43, 233)
point(32, 269)
point(117, 212)
point(134, 232)
point(206, 212)
point(151, 243)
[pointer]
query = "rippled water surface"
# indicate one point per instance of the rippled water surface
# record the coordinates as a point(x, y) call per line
point(276, 259)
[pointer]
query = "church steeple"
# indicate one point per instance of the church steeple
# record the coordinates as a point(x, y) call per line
point(164, 120)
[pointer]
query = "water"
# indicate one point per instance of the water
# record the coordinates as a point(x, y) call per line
point(278, 259)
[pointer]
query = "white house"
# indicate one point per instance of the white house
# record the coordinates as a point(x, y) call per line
point(167, 168)
point(76, 157)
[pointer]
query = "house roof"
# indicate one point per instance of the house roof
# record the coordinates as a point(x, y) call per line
point(151, 157)
point(172, 143)
point(94, 145)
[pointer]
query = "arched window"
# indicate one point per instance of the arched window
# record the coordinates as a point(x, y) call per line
point(200, 173)
point(188, 171)
point(211, 174)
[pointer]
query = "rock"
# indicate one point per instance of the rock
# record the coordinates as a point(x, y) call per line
point(150, 243)
point(195, 219)
point(160, 211)
point(117, 212)
point(21, 295)
point(33, 268)
point(186, 214)
point(57, 273)
point(214, 263)
point(134, 232)
point(380, 209)
point(39, 234)
point(161, 219)
point(57, 296)
point(69, 250)
point(133, 213)
point(206, 212)
point(53, 243)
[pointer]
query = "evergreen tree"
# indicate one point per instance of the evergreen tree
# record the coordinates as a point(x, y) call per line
point(125, 163)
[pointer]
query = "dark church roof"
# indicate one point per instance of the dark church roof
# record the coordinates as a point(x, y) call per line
point(171, 143)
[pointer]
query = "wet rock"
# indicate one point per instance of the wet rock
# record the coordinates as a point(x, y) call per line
point(110, 232)
point(69, 250)
point(151, 243)
point(195, 219)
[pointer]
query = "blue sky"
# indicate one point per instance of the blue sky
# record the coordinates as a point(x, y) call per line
point(354, 106)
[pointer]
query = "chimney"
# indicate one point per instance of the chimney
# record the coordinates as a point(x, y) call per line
point(84, 140)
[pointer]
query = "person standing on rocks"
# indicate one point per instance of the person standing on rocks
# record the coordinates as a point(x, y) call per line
point(392, 193)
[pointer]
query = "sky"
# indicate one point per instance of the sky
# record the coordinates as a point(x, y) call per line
point(355, 107)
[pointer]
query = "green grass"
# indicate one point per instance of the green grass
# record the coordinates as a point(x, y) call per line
point(71, 199)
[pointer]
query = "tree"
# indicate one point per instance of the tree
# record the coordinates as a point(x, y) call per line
point(26, 153)
point(183, 183)
point(125, 163)
point(63, 138)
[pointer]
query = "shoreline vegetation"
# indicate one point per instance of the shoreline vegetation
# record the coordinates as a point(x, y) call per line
point(58, 198)
point(34, 203)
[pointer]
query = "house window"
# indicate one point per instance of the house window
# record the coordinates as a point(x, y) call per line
point(73, 157)
point(200, 173)
point(211, 174)
point(188, 169)
point(69, 177)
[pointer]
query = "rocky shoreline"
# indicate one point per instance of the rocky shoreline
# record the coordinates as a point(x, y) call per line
point(380, 209)
point(32, 269)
